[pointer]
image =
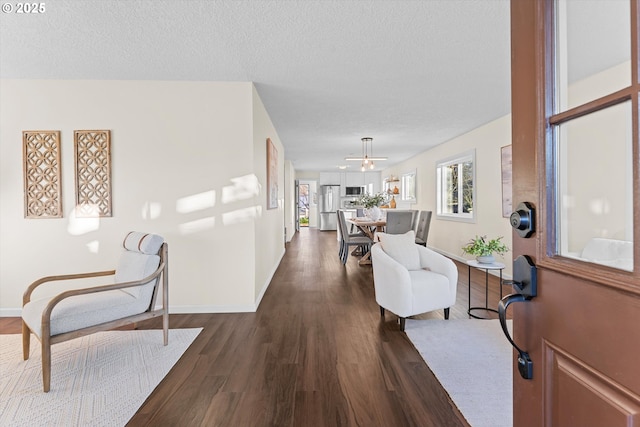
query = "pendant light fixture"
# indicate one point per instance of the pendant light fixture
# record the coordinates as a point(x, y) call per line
point(366, 162)
point(367, 159)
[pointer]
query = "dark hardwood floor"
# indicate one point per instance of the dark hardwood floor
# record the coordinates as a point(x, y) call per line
point(316, 353)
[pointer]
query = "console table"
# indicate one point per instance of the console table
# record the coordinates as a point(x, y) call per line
point(486, 267)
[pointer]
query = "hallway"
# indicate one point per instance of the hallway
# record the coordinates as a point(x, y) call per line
point(316, 353)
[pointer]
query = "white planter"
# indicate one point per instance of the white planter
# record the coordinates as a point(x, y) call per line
point(486, 259)
point(374, 213)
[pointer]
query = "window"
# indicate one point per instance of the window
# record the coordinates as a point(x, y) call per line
point(592, 125)
point(455, 190)
point(409, 187)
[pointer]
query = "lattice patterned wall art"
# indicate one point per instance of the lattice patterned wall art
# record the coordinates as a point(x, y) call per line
point(93, 173)
point(42, 186)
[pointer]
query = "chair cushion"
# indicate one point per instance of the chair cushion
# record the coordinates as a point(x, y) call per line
point(143, 242)
point(135, 266)
point(402, 248)
point(430, 291)
point(82, 311)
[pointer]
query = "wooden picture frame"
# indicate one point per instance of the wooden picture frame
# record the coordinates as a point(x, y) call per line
point(272, 175)
point(42, 174)
point(507, 177)
point(92, 150)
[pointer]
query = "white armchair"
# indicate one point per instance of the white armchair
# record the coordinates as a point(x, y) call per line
point(141, 271)
point(410, 279)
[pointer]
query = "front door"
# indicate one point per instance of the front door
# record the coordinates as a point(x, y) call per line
point(576, 158)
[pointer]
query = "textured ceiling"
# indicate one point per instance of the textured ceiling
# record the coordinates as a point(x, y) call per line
point(410, 74)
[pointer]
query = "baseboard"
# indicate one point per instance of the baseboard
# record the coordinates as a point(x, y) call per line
point(10, 312)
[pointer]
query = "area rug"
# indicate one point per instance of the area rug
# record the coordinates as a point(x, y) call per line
point(97, 380)
point(472, 359)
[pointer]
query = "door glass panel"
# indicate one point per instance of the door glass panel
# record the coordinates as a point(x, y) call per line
point(593, 49)
point(595, 183)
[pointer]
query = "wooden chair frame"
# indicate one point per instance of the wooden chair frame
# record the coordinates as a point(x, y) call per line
point(47, 340)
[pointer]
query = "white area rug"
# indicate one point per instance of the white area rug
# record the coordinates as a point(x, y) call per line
point(472, 359)
point(97, 380)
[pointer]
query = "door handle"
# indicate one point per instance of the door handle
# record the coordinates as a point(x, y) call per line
point(525, 285)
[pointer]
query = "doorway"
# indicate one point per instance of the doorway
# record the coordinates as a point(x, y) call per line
point(303, 204)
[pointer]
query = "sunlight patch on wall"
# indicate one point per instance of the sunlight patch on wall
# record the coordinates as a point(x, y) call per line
point(196, 202)
point(151, 210)
point(243, 188)
point(599, 206)
point(242, 215)
point(197, 226)
point(93, 246)
point(86, 224)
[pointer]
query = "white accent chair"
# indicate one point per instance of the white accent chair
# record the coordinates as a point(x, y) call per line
point(79, 312)
point(410, 279)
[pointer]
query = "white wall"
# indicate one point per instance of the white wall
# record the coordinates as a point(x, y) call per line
point(289, 200)
point(269, 226)
point(448, 237)
point(170, 141)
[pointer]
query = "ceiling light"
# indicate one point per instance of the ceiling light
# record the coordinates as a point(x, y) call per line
point(360, 159)
point(367, 158)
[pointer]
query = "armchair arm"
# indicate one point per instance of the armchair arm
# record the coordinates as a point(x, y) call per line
point(392, 283)
point(26, 297)
point(439, 263)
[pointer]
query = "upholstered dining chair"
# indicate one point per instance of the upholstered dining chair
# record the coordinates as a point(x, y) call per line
point(422, 227)
point(399, 221)
point(410, 279)
point(143, 265)
point(348, 239)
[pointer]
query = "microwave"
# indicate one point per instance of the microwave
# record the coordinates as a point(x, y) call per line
point(354, 191)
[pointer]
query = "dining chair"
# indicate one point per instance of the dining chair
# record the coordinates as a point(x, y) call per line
point(399, 221)
point(422, 227)
point(350, 239)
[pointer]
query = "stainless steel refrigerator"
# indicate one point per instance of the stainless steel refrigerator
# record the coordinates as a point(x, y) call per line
point(329, 204)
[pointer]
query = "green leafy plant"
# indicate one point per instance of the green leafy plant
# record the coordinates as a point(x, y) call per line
point(369, 201)
point(304, 220)
point(481, 246)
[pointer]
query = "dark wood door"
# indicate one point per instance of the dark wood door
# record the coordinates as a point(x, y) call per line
point(582, 330)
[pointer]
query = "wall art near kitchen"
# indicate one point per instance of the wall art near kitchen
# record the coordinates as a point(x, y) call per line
point(272, 175)
point(42, 186)
point(93, 173)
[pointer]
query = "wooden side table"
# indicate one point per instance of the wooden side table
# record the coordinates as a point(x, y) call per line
point(486, 267)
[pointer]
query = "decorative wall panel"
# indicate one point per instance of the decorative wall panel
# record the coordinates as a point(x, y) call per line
point(42, 187)
point(93, 173)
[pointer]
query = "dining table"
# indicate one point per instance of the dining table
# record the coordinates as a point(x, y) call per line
point(369, 227)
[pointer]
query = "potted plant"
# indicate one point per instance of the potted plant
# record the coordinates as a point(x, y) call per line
point(484, 248)
point(371, 203)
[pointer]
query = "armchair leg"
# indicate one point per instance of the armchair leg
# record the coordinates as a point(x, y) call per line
point(381, 311)
point(402, 319)
point(26, 340)
point(446, 313)
point(46, 364)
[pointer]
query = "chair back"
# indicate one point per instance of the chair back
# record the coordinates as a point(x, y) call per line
point(142, 255)
point(399, 222)
point(422, 228)
point(342, 223)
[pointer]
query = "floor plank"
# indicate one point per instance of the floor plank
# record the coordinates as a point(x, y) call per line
point(316, 353)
